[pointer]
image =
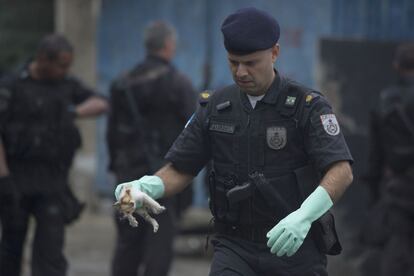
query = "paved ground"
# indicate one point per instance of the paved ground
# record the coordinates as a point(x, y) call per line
point(89, 244)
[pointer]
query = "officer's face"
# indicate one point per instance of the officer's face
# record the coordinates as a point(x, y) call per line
point(253, 73)
point(55, 69)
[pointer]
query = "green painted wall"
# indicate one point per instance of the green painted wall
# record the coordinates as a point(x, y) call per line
point(22, 24)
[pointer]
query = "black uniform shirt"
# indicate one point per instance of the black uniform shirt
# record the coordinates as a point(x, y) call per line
point(18, 95)
point(150, 106)
point(37, 128)
point(323, 140)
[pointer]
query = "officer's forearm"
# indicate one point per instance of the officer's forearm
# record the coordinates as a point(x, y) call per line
point(92, 107)
point(4, 169)
point(337, 179)
point(174, 181)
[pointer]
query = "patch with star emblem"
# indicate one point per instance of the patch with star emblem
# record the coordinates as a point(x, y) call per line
point(276, 137)
point(330, 124)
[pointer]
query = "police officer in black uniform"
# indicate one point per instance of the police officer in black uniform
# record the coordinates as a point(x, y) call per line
point(38, 141)
point(279, 161)
point(391, 170)
point(150, 106)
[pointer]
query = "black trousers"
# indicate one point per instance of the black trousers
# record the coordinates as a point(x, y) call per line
point(47, 249)
point(138, 249)
point(236, 257)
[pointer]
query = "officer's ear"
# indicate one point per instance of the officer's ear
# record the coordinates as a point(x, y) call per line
point(275, 52)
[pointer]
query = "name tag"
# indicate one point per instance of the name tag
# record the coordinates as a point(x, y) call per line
point(221, 127)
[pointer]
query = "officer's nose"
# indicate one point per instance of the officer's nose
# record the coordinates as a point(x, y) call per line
point(241, 71)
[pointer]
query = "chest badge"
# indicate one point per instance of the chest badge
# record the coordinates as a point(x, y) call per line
point(276, 137)
point(330, 124)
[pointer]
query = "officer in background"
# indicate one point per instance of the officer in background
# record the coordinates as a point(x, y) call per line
point(279, 161)
point(38, 141)
point(391, 171)
point(150, 106)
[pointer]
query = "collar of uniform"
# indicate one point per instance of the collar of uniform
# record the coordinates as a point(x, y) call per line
point(273, 91)
point(270, 96)
point(155, 58)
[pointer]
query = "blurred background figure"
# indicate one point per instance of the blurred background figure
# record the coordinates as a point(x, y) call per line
point(390, 228)
point(38, 107)
point(150, 106)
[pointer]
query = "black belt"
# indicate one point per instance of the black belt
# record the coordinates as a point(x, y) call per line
point(246, 232)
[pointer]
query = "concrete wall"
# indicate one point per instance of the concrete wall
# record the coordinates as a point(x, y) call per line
point(77, 20)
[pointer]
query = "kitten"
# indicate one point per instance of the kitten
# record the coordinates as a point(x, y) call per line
point(126, 206)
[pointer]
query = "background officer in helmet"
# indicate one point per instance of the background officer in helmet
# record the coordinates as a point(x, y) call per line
point(279, 161)
point(150, 106)
point(390, 227)
point(38, 141)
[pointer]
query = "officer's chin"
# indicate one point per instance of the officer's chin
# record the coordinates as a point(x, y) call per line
point(251, 92)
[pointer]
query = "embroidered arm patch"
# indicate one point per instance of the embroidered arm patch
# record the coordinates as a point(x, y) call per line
point(330, 124)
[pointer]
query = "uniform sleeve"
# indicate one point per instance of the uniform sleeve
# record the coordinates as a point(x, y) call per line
point(324, 140)
point(80, 93)
point(191, 150)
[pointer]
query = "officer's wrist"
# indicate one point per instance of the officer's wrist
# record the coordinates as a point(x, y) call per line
point(72, 110)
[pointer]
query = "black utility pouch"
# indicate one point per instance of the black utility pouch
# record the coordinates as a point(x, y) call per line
point(71, 207)
point(324, 234)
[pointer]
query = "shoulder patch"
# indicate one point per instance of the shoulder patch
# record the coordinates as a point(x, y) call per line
point(330, 124)
point(204, 97)
point(311, 97)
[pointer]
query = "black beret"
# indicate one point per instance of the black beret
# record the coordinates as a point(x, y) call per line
point(249, 30)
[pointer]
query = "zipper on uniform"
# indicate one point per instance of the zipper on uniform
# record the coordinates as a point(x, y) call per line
point(248, 165)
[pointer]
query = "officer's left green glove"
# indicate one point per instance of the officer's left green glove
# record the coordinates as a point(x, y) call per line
point(150, 184)
point(288, 235)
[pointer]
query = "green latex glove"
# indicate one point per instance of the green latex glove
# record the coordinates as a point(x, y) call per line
point(288, 235)
point(150, 184)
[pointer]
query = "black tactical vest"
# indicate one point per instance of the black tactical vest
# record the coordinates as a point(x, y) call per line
point(40, 126)
point(266, 140)
point(396, 126)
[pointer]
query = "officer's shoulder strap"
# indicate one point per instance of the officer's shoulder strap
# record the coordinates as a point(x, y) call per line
point(310, 98)
point(291, 97)
point(204, 97)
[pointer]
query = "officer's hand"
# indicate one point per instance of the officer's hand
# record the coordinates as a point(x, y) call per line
point(288, 235)
point(150, 184)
